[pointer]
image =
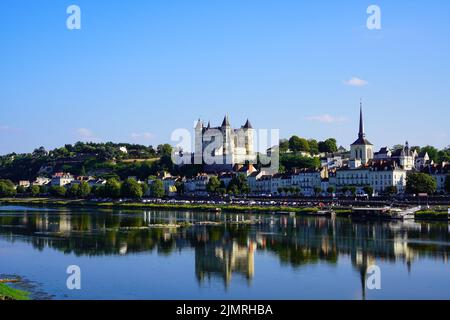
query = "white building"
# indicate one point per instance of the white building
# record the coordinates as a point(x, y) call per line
point(280, 181)
point(308, 179)
point(439, 173)
point(405, 157)
point(385, 174)
point(264, 184)
point(61, 179)
point(332, 162)
point(252, 180)
point(197, 185)
point(422, 160)
point(236, 145)
point(41, 181)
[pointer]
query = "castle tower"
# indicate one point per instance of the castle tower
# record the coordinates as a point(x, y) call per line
point(361, 149)
point(228, 145)
point(250, 134)
point(198, 148)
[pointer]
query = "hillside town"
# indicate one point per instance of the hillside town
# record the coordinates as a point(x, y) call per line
point(361, 171)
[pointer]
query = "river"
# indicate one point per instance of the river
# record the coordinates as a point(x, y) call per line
point(145, 255)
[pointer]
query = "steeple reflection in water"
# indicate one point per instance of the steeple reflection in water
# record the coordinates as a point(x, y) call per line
point(225, 245)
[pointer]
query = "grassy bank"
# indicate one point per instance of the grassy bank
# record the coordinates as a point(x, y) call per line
point(8, 293)
point(158, 206)
point(431, 215)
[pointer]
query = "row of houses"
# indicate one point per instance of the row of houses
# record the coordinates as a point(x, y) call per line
point(380, 175)
point(61, 179)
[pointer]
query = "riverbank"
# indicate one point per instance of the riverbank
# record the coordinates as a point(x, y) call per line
point(8, 293)
point(432, 215)
point(232, 208)
point(423, 215)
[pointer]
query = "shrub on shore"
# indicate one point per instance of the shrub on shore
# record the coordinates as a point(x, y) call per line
point(428, 214)
point(8, 293)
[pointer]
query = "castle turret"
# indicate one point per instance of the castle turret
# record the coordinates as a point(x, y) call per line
point(198, 149)
point(249, 140)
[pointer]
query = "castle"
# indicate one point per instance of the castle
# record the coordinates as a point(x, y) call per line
point(221, 148)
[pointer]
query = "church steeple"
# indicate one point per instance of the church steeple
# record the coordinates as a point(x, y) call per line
point(361, 133)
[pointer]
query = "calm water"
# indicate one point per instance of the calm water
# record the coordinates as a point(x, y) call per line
point(239, 257)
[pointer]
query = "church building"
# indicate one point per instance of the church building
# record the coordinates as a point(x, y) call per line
point(361, 151)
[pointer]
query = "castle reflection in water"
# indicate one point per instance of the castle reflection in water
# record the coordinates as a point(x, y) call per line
point(225, 245)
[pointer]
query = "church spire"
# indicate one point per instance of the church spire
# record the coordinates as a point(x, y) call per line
point(226, 122)
point(361, 133)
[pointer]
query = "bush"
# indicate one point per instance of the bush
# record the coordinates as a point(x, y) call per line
point(7, 188)
point(35, 190)
point(434, 215)
point(131, 189)
point(420, 183)
point(58, 191)
point(157, 189)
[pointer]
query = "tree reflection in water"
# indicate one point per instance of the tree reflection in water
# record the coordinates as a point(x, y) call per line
point(228, 243)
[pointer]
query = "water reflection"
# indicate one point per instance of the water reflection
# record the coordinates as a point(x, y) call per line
point(225, 244)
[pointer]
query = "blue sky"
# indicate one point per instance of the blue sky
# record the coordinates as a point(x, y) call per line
point(137, 70)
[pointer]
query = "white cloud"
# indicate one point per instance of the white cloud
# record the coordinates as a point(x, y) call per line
point(143, 136)
point(4, 128)
point(86, 134)
point(326, 118)
point(356, 82)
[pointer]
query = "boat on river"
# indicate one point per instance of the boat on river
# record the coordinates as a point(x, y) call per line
point(384, 213)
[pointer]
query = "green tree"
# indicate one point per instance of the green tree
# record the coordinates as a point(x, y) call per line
point(213, 185)
point(7, 188)
point(368, 190)
point(313, 146)
point(222, 191)
point(317, 190)
point(420, 183)
point(131, 189)
point(284, 146)
point(112, 188)
point(85, 189)
point(73, 191)
point(35, 190)
point(164, 150)
point(99, 191)
point(144, 188)
point(58, 191)
point(157, 189)
point(330, 190)
point(328, 146)
point(43, 189)
point(21, 190)
point(297, 144)
point(290, 161)
point(239, 185)
point(433, 153)
point(352, 190)
point(391, 190)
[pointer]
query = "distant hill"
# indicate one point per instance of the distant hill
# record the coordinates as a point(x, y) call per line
point(100, 159)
